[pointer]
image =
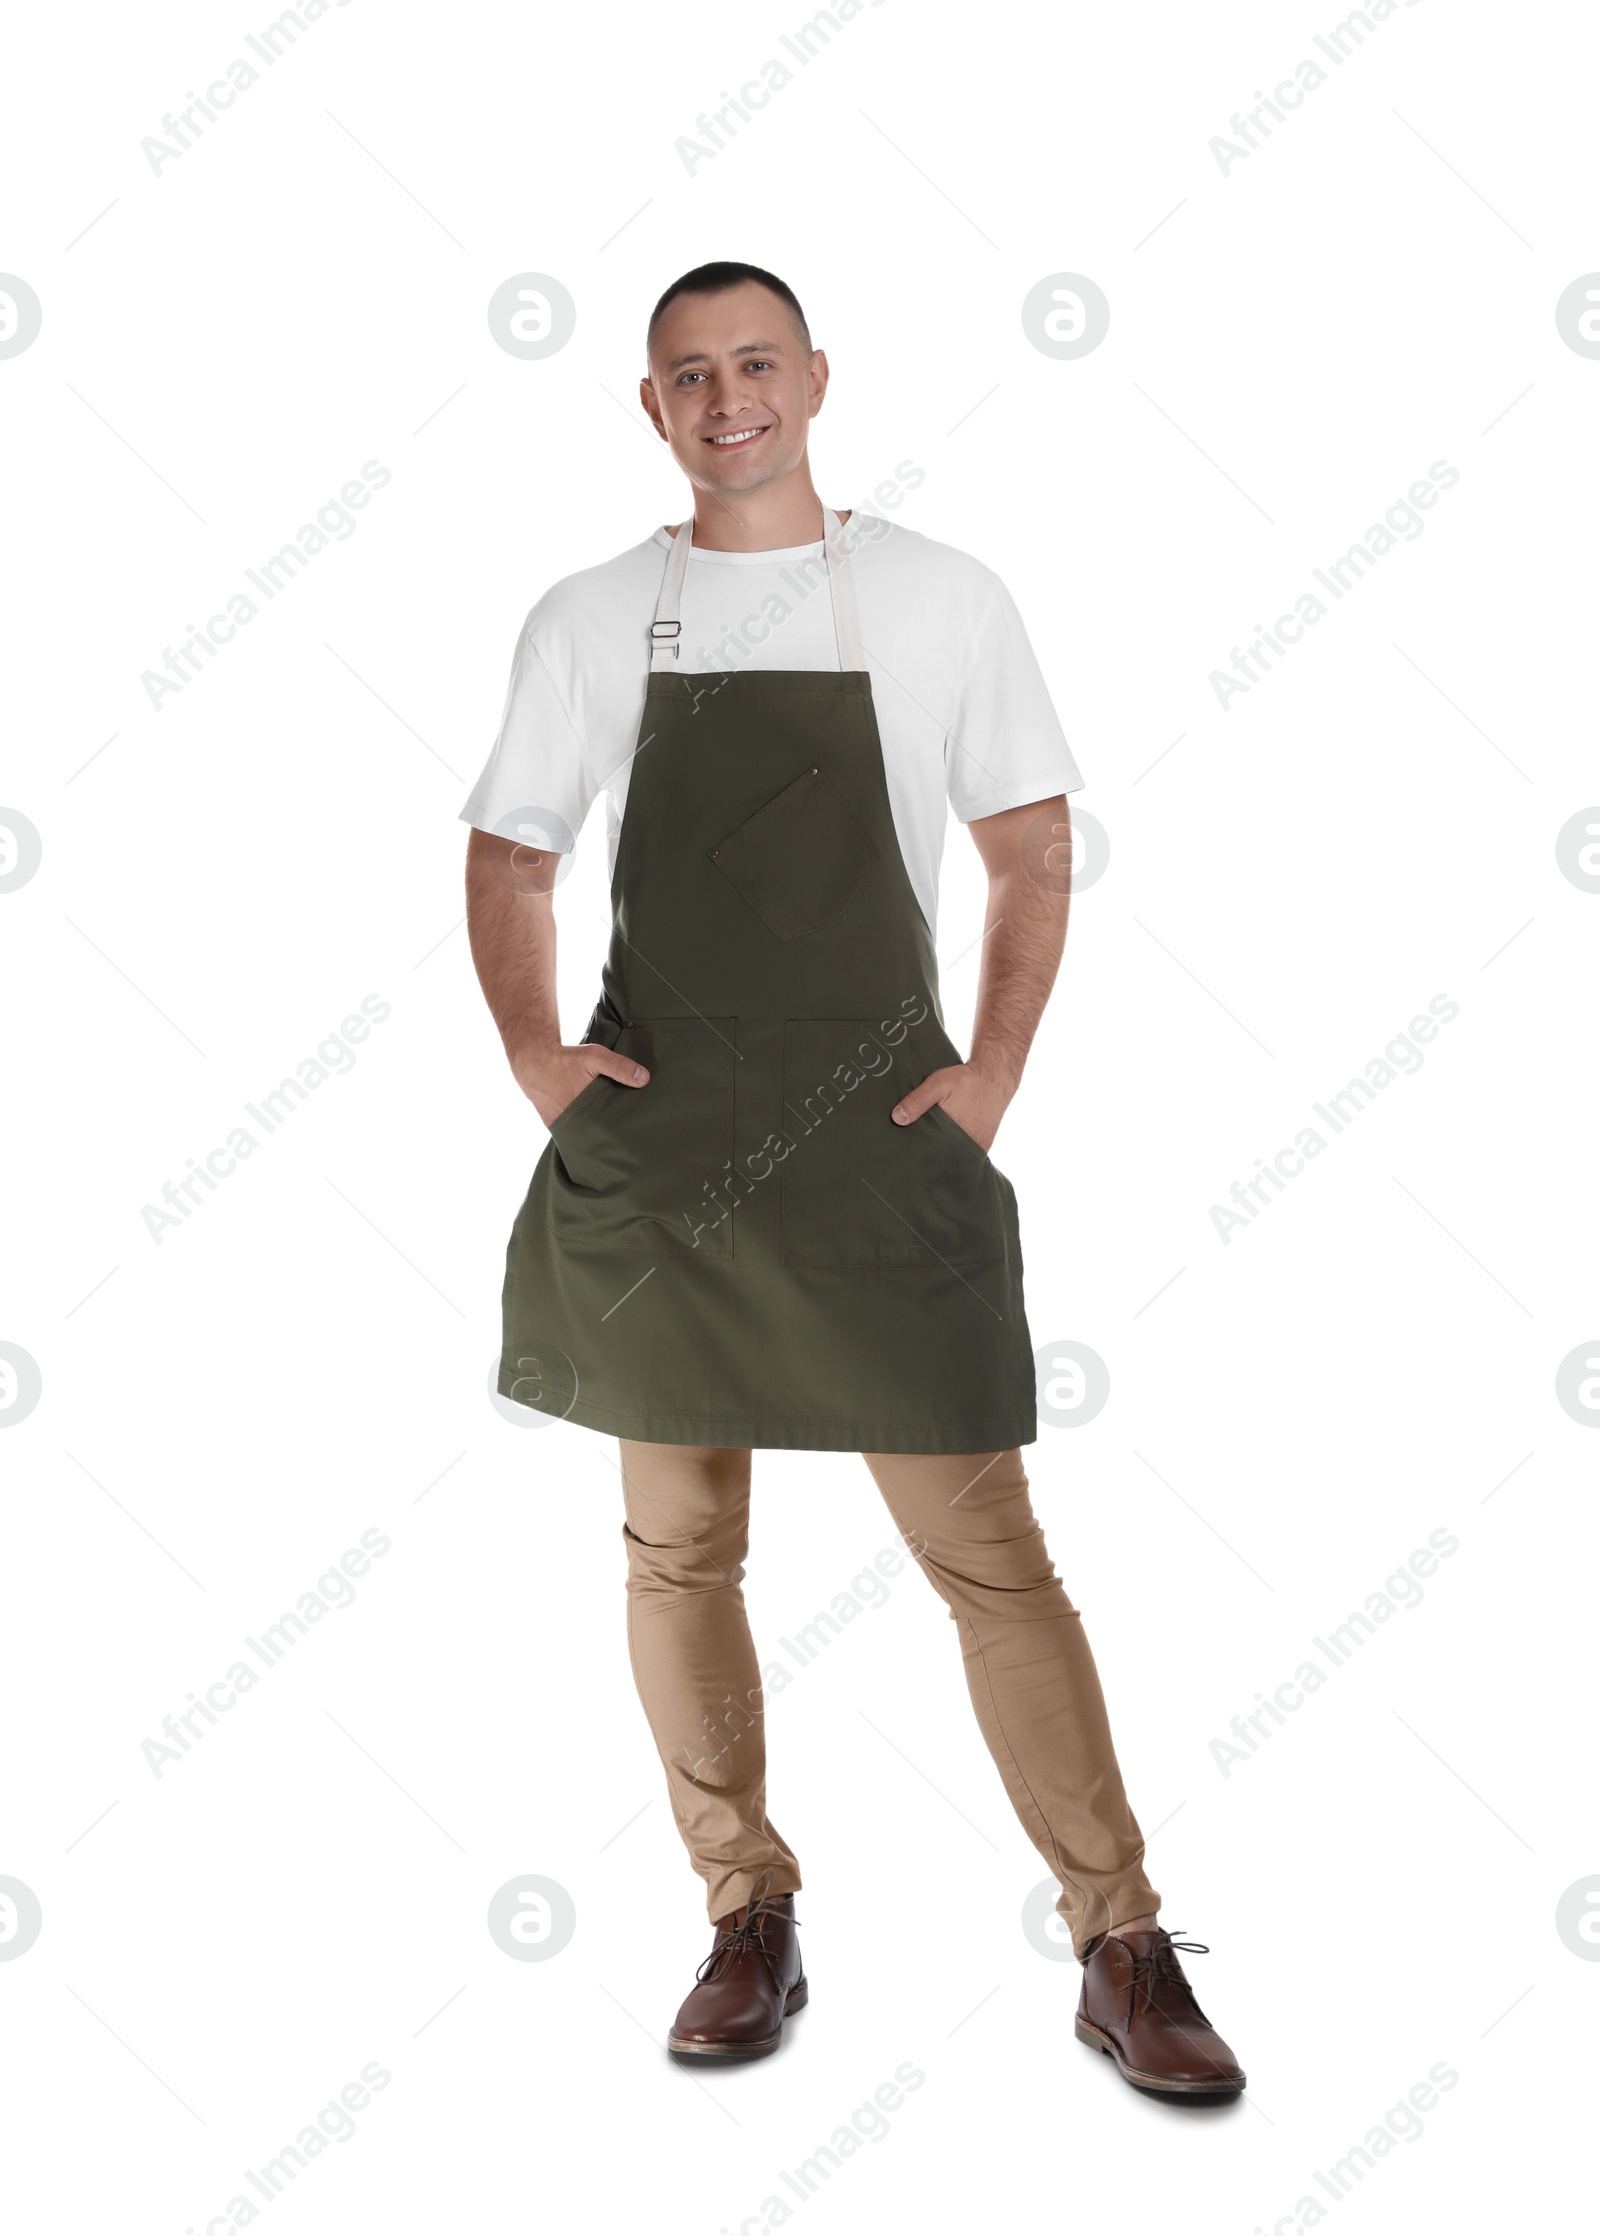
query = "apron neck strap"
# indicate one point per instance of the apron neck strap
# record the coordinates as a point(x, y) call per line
point(666, 631)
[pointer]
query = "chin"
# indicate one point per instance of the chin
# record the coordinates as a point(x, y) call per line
point(751, 473)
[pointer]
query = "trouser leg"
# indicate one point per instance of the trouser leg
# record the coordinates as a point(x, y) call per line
point(694, 1662)
point(1033, 1681)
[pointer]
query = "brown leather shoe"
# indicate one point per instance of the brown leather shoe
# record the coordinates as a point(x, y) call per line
point(1138, 2007)
point(747, 1986)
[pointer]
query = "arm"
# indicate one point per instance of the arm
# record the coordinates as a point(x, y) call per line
point(1026, 851)
point(512, 927)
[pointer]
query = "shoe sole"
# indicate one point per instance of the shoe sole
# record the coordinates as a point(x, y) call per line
point(738, 2053)
point(1098, 2039)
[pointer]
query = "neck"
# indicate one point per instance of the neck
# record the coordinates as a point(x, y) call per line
point(781, 513)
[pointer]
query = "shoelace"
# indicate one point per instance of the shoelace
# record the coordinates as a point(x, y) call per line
point(745, 1938)
point(1160, 1968)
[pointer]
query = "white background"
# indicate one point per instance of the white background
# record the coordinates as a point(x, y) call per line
point(305, 1357)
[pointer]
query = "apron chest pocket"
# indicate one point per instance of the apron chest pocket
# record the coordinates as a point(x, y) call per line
point(860, 1191)
point(633, 1165)
point(801, 860)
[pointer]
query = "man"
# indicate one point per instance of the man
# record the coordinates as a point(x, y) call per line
point(766, 1216)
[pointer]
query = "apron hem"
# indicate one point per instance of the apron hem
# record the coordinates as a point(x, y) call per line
point(796, 1434)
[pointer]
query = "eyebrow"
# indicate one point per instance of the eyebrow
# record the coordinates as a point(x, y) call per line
point(744, 349)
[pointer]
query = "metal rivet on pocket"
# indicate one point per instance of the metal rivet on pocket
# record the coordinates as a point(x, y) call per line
point(814, 772)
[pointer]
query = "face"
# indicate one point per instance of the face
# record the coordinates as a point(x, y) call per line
point(732, 387)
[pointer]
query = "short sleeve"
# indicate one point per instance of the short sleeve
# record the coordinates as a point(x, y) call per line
point(536, 782)
point(1006, 745)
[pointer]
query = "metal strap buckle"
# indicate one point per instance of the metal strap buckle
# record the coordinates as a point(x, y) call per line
point(661, 630)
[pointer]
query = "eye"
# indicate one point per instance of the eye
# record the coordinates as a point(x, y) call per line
point(759, 365)
point(683, 378)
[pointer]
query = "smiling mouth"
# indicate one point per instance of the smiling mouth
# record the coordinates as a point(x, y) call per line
point(733, 441)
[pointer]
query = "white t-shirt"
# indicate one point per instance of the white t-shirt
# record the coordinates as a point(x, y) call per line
point(963, 712)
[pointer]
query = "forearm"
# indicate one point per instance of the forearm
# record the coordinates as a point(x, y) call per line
point(1021, 956)
point(513, 938)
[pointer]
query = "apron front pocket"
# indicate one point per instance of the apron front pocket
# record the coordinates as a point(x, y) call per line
point(639, 1168)
point(858, 1190)
point(801, 860)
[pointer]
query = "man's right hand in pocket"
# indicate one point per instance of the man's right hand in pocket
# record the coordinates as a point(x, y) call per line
point(558, 1077)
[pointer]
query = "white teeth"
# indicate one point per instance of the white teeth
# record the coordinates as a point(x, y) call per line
point(723, 441)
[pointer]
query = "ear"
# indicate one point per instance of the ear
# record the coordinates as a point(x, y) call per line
point(817, 379)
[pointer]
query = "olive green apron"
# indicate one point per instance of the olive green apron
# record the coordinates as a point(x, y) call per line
point(749, 1251)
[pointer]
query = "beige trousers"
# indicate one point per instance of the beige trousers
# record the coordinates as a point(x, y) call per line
point(969, 1525)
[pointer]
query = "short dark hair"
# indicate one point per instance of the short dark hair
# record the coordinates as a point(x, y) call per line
point(716, 279)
